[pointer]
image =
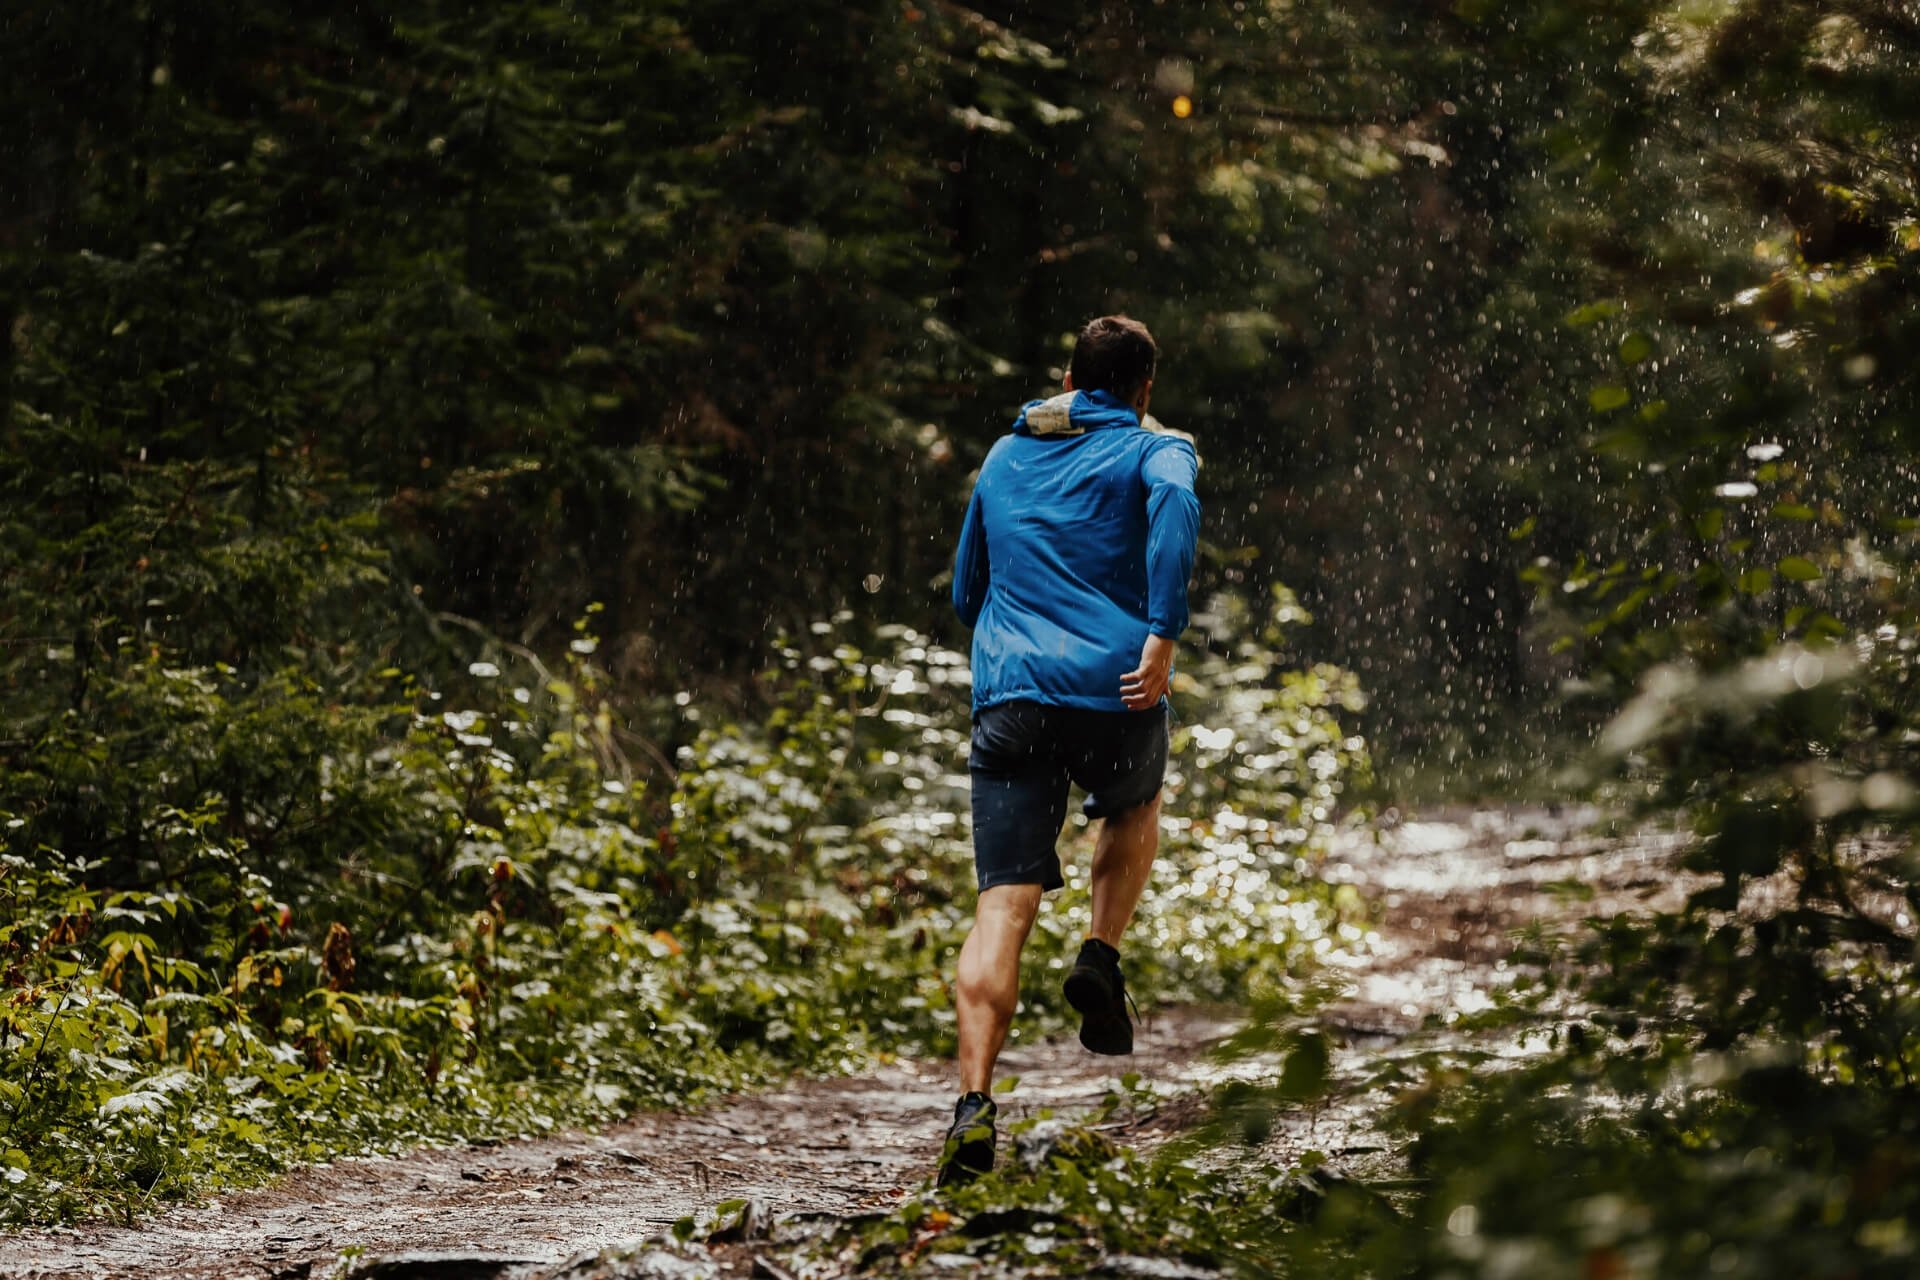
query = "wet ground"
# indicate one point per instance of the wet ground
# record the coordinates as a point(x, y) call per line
point(824, 1146)
point(1452, 889)
point(1455, 890)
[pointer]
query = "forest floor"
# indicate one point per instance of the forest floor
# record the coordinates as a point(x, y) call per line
point(1450, 888)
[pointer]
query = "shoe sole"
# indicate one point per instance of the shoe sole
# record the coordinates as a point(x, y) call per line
point(1100, 1030)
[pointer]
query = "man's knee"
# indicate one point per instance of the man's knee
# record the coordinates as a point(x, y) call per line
point(989, 970)
point(1008, 907)
point(980, 983)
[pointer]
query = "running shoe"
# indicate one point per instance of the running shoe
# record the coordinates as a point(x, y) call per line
point(969, 1149)
point(1096, 988)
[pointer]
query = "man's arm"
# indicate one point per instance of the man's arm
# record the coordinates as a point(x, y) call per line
point(970, 564)
point(1173, 526)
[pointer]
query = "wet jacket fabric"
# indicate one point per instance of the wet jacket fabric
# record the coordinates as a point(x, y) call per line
point(1078, 542)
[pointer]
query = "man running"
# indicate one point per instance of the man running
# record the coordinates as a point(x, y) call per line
point(1072, 571)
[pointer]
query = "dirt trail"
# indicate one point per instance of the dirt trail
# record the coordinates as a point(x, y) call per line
point(830, 1146)
point(1454, 887)
point(1451, 887)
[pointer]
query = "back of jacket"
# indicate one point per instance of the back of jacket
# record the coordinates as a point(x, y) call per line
point(1078, 542)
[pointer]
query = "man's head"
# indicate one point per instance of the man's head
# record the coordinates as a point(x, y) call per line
point(1116, 355)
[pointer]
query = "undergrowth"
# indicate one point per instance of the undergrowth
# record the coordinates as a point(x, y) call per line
point(249, 922)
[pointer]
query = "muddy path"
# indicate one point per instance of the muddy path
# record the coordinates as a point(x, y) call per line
point(820, 1146)
point(1451, 888)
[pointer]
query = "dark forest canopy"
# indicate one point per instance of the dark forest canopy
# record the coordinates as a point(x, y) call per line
point(706, 311)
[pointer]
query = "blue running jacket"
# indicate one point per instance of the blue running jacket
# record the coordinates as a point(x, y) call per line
point(1078, 542)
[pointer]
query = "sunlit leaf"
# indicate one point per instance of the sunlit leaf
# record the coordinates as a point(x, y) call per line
point(1592, 313)
point(1798, 569)
point(1608, 396)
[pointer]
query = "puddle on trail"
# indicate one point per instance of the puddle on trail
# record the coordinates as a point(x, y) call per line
point(1451, 889)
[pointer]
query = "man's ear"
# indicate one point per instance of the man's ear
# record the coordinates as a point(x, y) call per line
point(1067, 381)
point(1146, 390)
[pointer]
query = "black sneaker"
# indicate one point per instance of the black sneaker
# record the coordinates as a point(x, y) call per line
point(1097, 990)
point(970, 1142)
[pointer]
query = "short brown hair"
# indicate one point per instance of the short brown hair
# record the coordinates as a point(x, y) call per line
point(1115, 354)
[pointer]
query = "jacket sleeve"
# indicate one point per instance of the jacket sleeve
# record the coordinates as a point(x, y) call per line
point(970, 564)
point(1173, 525)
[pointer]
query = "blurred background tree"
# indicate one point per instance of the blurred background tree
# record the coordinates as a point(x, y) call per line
point(706, 312)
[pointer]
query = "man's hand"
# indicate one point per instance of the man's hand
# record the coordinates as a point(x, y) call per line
point(1144, 686)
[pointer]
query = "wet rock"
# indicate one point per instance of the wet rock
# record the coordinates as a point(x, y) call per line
point(804, 1228)
point(739, 1223)
point(446, 1266)
point(650, 1260)
point(1304, 1192)
point(1133, 1267)
point(1001, 1222)
point(1056, 1139)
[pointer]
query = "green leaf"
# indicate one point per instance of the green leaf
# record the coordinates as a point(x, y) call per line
point(1628, 607)
point(1524, 529)
point(1756, 582)
point(1307, 1067)
point(1592, 313)
point(1635, 347)
point(1799, 569)
point(1621, 442)
point(1825, 626)
point(1793, 511)
point(1608, 396)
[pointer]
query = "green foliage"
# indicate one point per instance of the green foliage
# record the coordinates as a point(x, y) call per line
point(1072, 1203)
point(1725, 1086)
point(326, 916)
point(1761, 597)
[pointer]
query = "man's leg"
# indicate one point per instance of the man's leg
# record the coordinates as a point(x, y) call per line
point(1019, 801)
point(988, 985)
point(1122, 860)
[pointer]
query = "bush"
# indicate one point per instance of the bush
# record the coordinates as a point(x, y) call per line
point(311, 916)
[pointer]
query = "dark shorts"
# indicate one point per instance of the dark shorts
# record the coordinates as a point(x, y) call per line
point(1023, 756)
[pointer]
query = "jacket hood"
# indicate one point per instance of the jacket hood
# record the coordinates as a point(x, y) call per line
point(1074, 413)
